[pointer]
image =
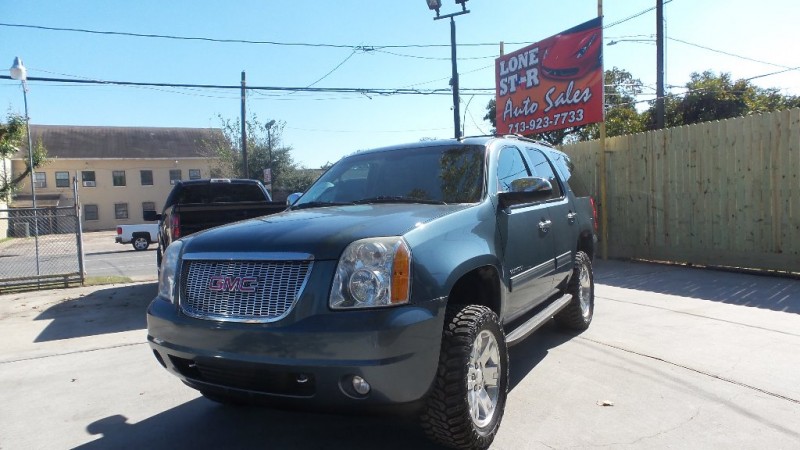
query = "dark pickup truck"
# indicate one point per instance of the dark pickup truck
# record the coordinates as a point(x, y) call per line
point(397, 281)
point(197, 205)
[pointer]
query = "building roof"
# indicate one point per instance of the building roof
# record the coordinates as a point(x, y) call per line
point(66, 141)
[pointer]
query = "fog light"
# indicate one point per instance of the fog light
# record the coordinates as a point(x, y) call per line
point(360, 385)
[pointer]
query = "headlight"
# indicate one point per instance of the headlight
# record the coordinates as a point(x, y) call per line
point(372, 272)
point(169, 269)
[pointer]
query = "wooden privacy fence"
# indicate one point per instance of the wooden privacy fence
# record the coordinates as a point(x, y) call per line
point(721, 193)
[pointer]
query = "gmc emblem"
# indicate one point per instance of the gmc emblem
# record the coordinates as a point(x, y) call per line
point(233, 284)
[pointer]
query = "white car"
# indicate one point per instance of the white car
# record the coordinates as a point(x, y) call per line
point(140, 235)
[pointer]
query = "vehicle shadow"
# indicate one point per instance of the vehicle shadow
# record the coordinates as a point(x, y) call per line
point(110, 310)
point(202, 424)
point(526, 355)
point(759, 291)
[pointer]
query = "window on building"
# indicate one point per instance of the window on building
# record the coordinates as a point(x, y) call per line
point(148, 206)
point(118, 177)
point(146, 177)
point(121, 210)
point(174, 175)
point(194, 174)
point(40, 180)
point(62, 179)
point(90, 212)
point(87, 177)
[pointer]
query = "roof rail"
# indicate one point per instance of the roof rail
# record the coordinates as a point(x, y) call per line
point(527, 139)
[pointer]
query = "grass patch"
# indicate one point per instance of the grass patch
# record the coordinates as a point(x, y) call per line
point(112, 279)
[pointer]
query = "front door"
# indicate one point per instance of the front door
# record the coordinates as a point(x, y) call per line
point(526, 239)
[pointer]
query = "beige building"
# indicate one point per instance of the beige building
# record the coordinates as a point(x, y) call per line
point(121, 171)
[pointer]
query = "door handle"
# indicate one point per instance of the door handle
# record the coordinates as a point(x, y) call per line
point(571, 216)
point(544, 225)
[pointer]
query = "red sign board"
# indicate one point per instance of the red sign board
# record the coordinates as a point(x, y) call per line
point(552, 84)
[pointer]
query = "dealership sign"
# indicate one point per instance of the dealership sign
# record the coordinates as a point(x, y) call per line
point(555, 83)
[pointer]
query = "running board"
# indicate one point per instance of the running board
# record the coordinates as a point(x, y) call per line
point(524, 330)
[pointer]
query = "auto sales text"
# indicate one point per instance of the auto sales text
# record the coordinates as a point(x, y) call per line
point(570, 97)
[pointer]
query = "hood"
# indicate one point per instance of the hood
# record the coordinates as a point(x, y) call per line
point(321, 232)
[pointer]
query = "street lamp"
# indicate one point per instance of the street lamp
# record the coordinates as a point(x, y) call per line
point(269, 126)
point(19, 72)
point(435, 5)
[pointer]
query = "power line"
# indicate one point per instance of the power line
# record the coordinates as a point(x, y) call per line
point(640, 13)
point(375, 91)
point(727, 53)
point(243, 41)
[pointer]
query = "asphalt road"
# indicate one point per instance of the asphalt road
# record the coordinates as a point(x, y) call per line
point(675, 358)
point(104, 257)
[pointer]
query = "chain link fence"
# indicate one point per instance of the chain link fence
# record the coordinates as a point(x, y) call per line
point(41, 248)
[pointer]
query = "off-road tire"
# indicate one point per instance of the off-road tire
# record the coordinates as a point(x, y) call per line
point(448, 418)
point(579, 312)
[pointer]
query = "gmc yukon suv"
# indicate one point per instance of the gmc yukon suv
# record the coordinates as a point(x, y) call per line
point(397, 281)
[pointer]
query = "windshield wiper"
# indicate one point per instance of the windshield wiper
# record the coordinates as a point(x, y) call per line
point(318, 204)
point(397, 199)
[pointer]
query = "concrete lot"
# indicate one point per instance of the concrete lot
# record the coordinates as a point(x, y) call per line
point(675, 358)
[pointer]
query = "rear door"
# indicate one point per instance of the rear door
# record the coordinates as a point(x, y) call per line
point(564, 230)
point(528, 252)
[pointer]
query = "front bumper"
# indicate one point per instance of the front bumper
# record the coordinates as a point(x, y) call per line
point(305, 361)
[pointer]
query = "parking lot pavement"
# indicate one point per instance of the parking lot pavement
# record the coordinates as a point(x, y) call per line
point(675, 358)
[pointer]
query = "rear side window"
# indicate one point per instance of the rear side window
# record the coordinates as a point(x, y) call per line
point(570, 175)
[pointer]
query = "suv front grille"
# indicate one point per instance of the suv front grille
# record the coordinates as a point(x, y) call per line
point(241, 291)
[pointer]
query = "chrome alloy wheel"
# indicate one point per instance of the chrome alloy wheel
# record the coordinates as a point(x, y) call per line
point(483, 378)
point(585, 291)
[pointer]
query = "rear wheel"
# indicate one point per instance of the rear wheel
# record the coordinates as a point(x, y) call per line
point(580, 310)
point(140, 243)
point(466, 403)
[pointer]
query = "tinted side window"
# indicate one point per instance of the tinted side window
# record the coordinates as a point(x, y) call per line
point(542, 168)
point(571, 177)
point(510, 166)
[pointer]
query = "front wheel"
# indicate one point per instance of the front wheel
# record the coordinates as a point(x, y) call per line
point(466, 403)
point(140, 243)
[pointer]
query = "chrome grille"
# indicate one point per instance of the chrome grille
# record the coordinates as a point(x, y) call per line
point(213, 289)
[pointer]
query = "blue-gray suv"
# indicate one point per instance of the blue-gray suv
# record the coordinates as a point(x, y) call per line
point(397, 281)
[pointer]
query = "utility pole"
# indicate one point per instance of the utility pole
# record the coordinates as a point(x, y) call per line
point(245, 169)
point(660, 113)
point(454, 79)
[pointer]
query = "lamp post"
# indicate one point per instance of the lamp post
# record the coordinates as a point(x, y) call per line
point(269, 126)
point(19, 72)
point(436, 5)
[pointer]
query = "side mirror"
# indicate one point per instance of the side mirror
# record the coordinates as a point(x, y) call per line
point(151, 216)
point(526, 190)
point(293, 198)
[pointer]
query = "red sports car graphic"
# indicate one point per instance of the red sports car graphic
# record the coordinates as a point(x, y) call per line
point(573, 55)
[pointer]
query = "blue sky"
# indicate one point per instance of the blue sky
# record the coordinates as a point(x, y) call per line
point(324, 127)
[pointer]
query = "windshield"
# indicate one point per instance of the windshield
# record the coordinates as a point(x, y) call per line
point(441, 174)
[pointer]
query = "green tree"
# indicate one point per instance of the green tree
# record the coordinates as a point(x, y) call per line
point(13, 137)
point(716, 97)
point(264, 149)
